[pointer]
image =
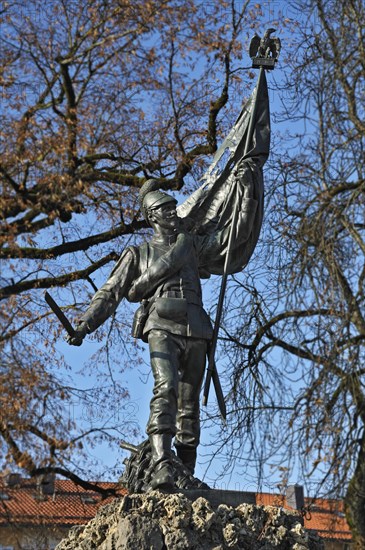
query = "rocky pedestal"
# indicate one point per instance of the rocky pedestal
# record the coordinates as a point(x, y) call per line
point(157, 521)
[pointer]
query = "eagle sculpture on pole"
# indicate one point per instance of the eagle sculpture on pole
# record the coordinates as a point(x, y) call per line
point(265, 51)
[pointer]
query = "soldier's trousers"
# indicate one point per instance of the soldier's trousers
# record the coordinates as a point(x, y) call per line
point(178, 368)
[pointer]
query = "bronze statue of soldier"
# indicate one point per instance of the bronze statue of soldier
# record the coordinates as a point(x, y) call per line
point(214, 231)
point(164, 274)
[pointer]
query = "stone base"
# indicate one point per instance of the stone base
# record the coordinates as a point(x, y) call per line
point(215, 497)
point(157, 521)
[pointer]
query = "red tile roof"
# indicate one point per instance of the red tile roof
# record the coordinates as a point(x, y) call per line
point(69, 504)
point(326, 516)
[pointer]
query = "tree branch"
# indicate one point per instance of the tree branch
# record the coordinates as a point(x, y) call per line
point(72, 246)
point(49, 282)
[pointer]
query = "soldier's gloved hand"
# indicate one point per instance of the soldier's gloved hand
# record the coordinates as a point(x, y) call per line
point(80, 332)
point(244, 174)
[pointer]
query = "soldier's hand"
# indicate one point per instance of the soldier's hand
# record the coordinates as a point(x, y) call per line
point(244, 174)
point(80, 332)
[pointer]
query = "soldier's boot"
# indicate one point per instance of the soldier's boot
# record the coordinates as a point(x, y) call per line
point(187, 456)
point(162, 476)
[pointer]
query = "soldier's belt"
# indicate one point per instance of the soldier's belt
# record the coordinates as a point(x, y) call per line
point(189, 296)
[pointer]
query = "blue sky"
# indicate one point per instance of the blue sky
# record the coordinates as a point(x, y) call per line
point(138, 379)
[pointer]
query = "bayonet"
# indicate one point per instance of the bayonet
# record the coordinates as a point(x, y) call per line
point(60, 315)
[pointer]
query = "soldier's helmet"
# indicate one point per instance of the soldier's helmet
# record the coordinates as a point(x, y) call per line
point(150, 197)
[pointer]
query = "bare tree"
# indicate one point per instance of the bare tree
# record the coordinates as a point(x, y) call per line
point(297, 341)
point(96, 97)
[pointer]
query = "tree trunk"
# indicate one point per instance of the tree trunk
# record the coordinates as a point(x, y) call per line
point(355, 501)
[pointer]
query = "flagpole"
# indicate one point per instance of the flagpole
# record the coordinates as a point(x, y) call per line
point(264, 54)
point(211, 371)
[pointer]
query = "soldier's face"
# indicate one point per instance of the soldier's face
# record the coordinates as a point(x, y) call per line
point(165, 216)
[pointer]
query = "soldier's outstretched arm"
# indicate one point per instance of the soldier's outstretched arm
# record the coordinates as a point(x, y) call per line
point(107, 298)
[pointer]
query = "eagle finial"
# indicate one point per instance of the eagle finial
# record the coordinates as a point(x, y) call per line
point(264, 51)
